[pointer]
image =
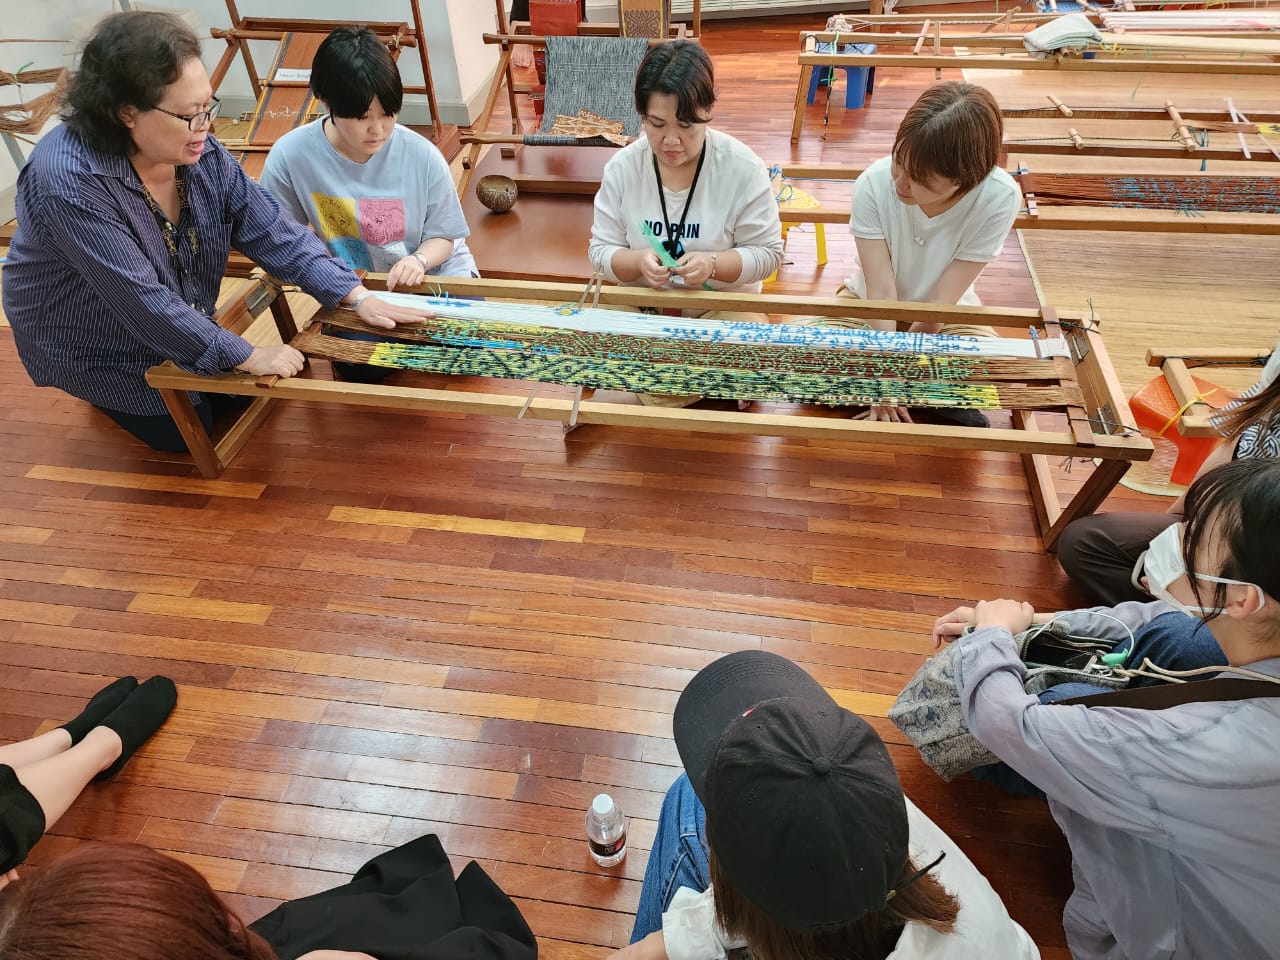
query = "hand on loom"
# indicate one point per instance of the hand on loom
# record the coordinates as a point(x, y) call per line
point(280, 361)
point(380, 313)
point(887, 414)
point(406, 272)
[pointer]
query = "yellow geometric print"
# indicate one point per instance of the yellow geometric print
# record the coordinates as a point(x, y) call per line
point(336, 216)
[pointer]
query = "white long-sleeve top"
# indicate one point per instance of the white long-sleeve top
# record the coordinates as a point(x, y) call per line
point(984, 930)
point(733, 208)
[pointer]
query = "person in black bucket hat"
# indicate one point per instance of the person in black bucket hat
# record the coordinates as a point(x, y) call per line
point(788, 834)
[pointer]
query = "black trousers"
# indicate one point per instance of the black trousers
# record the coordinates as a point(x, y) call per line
point(159, 432)
point(1099, 552)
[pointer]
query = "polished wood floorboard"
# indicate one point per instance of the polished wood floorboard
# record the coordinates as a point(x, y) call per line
point(385, 624)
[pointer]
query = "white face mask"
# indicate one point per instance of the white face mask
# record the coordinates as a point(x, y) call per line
point(1162, 565)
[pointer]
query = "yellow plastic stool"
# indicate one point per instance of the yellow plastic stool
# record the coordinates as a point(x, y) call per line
point(800, 200)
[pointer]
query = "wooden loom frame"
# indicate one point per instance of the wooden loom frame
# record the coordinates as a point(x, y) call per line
point(1116, 448)
point(394, 34)
point(507, 36)
point(1195, 419)
point(1074, 144)
point(1101, 61)
point(1038, 216)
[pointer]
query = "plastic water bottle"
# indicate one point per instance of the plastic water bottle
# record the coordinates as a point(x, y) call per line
point(606, 831)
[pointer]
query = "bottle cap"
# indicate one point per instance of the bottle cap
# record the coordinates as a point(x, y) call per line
point(602, 805)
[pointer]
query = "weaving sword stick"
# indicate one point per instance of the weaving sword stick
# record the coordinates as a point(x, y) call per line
point(589, 344)
point(685, 378)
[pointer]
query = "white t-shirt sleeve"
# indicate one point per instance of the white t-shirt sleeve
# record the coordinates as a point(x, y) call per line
point(276, 179)
point(757, 233)
point(992, 222)
point(690, 931)
point(443, 216)
point(866, 222)
point(609, 228)
point(984, 930)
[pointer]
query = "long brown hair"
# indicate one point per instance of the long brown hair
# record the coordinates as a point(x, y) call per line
point(954, 130)
point(107, 900)
point(872, 936)
point(1261, 410)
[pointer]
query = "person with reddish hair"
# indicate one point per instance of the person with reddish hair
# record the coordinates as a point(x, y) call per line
point(118, 900)
point(41, 777)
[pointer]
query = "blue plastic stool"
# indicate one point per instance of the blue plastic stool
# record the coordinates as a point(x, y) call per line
point(860, 80)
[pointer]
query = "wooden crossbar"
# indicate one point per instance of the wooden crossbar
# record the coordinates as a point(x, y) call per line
point(1195, 420)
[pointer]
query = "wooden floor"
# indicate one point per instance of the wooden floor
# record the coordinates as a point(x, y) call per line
point(385, 625)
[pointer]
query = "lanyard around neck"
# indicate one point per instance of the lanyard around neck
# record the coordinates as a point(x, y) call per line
point(662, 197)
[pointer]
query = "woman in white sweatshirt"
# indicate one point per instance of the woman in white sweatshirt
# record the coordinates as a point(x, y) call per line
point(704, 196)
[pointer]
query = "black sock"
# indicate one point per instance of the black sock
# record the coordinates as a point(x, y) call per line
point(139, 717)
point(103, 702)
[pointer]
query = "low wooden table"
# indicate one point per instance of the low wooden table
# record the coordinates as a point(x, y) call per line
point(1102, 429)
point(545, 235)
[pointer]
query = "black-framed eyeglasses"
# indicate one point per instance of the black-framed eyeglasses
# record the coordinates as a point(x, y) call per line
point(195, 121)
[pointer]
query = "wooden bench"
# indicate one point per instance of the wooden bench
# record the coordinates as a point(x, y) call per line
point(1101, 429)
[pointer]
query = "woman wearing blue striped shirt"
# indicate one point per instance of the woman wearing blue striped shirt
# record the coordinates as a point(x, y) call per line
point(126, 215)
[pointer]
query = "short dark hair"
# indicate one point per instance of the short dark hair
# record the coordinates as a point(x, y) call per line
point(1240, 501)
point(872, 936)
point(682, 69)
point(127, 62)
point(351, 68)
point(954, 130)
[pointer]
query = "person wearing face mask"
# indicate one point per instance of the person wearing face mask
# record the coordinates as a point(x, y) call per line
point(126, 215)
point(1169, 812)
point(929, 218)
point(1099, 552)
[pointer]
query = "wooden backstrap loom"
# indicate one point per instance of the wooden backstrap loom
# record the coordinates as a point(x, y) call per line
point(1120, 53)
point(507, 38)
point(1156, 203)
point(1255, 137)
point(1098, 424)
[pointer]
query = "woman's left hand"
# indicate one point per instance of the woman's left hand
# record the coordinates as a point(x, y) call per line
point(695, 268)
point(407, 272)
point(1015, 616)
point(8, 878)
point(379, 313)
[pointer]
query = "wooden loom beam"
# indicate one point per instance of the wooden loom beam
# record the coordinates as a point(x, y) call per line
point(1099, 64)
point(1196, 417)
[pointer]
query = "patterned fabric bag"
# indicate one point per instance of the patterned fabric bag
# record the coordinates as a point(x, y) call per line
point(928, 710)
